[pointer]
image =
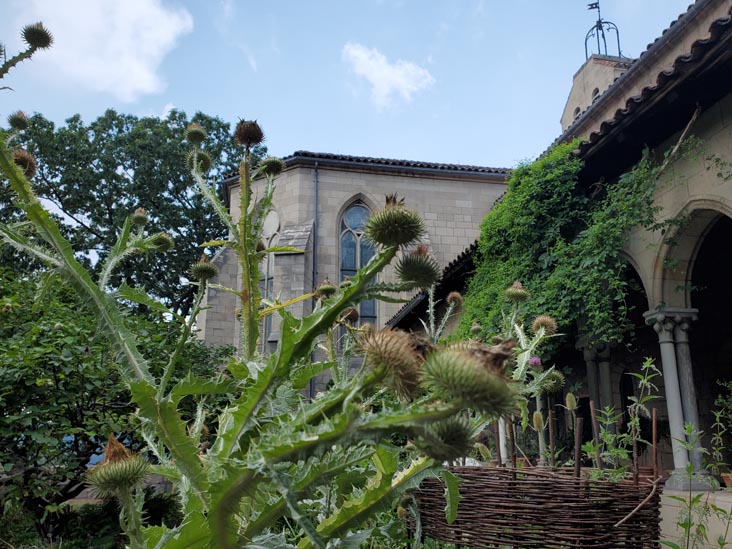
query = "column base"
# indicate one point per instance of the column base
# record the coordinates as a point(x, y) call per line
point(699, 481)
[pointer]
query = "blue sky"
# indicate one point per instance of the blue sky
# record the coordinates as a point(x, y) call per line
point(464, 81)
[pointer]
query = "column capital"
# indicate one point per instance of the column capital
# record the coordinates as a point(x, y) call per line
point(667, 318)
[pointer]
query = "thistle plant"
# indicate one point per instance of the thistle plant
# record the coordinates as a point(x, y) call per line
point(250, 478)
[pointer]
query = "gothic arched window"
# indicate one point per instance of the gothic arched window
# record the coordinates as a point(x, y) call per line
point(356, 251)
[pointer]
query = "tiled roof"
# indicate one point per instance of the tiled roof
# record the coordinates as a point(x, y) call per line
point(681, 64)
point(720, 31)
point(448, 272)
point(298, 156)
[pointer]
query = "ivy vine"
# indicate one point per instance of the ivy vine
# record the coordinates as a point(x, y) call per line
point(564, 242)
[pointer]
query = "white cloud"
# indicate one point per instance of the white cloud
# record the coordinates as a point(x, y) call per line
point(109, 46)
point(387, 79)
point(166, 111)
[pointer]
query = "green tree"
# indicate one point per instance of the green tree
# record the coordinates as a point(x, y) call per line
point(96, 175)
point(61, 394)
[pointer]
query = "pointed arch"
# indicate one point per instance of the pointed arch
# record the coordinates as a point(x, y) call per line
point(354, 250)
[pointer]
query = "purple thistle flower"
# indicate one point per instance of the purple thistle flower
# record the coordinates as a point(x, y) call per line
point(534, 362)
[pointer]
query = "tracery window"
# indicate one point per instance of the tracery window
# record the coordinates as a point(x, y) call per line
point(356, 251)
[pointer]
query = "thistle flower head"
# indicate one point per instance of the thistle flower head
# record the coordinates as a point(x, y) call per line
point(395, 225)
point(139, 217)
point(203, 269)
point(26, 162)
point(195, 134)
point(162, 242)
point(248, 133)
point(271, 166)
point(418, 269)
point(118, 472)
point(462, 375)
point(475, 329)
point(346, 282)
point(535, 362)
point(455, 299)
point(516, 293)
point(393, 351)
point(553, 381)
point(546, 322)
point(37, 36)
point(18, 121)
point(198, 159)
point(447, 439)
point(326, 289)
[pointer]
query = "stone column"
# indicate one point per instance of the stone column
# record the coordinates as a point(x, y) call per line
point(682, 321)
point(664, 327)
point(606, 384)
point(593, 384)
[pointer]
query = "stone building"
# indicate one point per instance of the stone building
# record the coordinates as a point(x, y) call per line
point(320, 204)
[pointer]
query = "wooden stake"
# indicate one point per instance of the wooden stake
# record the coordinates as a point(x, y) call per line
point(655, 443)
point(497, 441)
point(596, 435)
point(577, 446)
point(552, 461)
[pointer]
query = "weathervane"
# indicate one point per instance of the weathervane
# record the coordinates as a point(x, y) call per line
point(598, 31)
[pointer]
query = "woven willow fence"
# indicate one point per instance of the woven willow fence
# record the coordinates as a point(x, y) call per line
point(535, 507)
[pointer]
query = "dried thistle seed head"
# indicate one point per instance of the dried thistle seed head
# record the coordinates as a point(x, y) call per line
point(570, 401)
point(462, 376)
point(418, 270)
point(18, 121)
point(26, 162)
point(271, 167)
point(493, 358)
point(546, 322)
point(195, 134)
point(139, 217)
point(162, 242)
point(37, 36)
point(393, 201)
point(392, 350)
point(455, 299)
point(553, 381)
point(395, 225)
point(200, 159)
point(203, 269)
point(248, 133)
point(422, 345)
point(447, 439)
point(537, 421)
point(350, 315)
point(260, 246)
point(111, 478)
point(115, 451)
point(326, 289)
point(516, 293)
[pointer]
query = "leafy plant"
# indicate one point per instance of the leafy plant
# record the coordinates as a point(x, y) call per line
point(272, 449)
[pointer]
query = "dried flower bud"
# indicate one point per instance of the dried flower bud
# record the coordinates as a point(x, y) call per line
point(139, 217)
point(37, 36)
point(203, 269)
point(260, 246)
point(195, 134)
point(26, 162)
point(455, 299)
point(119, 472)
point(18, 121)
point(546, 322)
point(350, 315)
point(393, 351)
point(271, 167)
point(475, 329)
point(516, 293)
point(248, 133)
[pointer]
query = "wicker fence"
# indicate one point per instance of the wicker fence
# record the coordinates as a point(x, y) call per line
point(538, 507)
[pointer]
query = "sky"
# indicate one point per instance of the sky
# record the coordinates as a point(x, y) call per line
point(480, 82)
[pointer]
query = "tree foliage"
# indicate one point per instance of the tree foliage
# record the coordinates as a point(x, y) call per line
point(97, 174)
point(60, 391)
